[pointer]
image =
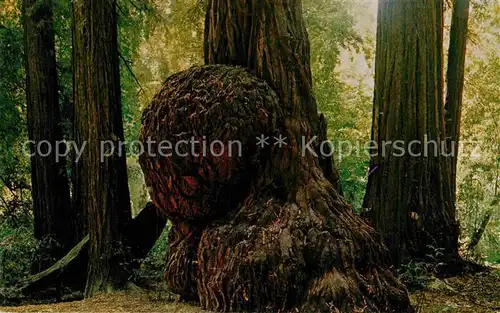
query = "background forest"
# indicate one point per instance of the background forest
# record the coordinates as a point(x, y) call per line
point(160, 38)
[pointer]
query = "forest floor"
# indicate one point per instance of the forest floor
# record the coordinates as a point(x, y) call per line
point(478, 293)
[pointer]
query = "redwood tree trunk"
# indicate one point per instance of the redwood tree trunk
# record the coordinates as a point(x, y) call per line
point(255, 40)
point(409, 198)
point(50, 188)
point(101, 185)
point(455, 80)
point(270, 230)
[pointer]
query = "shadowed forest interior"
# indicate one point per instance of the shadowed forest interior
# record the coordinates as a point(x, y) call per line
point(249, 156)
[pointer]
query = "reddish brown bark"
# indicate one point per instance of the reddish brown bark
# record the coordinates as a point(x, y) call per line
point(101, 186)
point(409, 197)
point(455, 81)
point(269, 39)
point(283, 239)
point(49, 182)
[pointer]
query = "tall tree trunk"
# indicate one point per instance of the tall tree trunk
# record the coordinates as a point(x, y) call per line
point(101, 185)
point(409, 198)
point(279, 56)
point(50, 188)
point(269, 231)
point(455, 81)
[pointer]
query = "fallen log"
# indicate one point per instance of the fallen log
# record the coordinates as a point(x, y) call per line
point(53, 274)
point(141, 234)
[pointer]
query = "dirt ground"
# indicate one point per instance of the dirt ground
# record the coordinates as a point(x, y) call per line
point(133, 302)
point(479, 293)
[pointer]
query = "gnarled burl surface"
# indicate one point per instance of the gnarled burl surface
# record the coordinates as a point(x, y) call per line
point(263, 230)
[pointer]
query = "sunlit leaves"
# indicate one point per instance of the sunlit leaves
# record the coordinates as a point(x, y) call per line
point(479, 166)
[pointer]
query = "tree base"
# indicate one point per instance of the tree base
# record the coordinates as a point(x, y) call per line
point(314, 255)
point(264, 230)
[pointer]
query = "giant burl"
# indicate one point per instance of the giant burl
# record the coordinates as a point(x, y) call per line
point(255, 227)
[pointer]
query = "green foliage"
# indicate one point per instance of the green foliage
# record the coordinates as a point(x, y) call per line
point(341, 51)
point(159, 38)
point(16, 228)
point(133, 17)
point(12, 97)
point(64, 55)
point(415, 275)
point(17, 246)
point(153, 266)
point(331, 27)
point(156, 40)
point(479, 159)
point(418, 274)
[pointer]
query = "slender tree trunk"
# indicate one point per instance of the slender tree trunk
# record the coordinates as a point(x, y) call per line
point(50, 188)
point(455, 81)
point(409, 198)
point(101, 180)
point(478, 233)
point(78, 177)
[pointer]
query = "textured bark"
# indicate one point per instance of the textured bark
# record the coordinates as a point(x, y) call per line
point(193, 187)
point(140, 234)
point(264, 230)
point(50, 188)
point(181, 270)
point(455, 80)
point(101, 187)
point(409, 198)
point(269, 38)
point(281, 238)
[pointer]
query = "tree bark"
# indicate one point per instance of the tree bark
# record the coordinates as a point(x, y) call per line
point(262, 230)
point(270, 231)
point(281, 57)
point(101, 181)
point(49, 182)
point(140, 234)
point(408, 198)
point(455, 81)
